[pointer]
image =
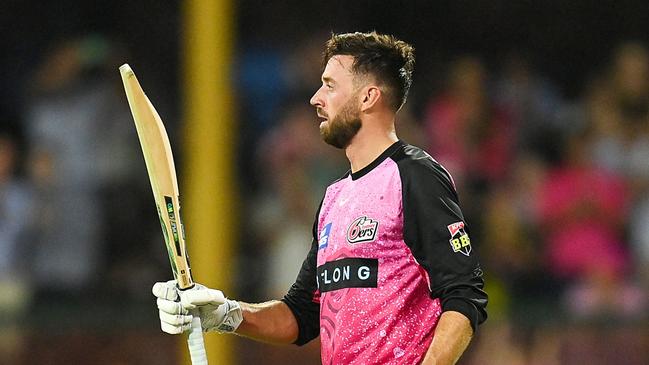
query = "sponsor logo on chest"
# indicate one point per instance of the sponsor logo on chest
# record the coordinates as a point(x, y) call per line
point(351, 272)
point(323, 240)
point(362, 229)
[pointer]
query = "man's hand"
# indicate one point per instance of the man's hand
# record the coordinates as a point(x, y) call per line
point(174, 319)
point(177, 308)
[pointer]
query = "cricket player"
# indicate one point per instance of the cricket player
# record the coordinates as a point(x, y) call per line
point(392, 275)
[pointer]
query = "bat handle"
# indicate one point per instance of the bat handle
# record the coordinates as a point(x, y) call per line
point(195, 342)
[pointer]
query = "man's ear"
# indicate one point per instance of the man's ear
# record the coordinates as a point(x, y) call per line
point(370, 97)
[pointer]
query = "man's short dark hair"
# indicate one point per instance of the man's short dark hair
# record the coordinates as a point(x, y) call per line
point(390, 60)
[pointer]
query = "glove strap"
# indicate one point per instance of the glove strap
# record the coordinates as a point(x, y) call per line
point(232, 319)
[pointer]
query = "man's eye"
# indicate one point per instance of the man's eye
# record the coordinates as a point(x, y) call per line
point(329, 86)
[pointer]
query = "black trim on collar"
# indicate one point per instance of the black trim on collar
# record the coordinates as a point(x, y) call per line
point(387, 153)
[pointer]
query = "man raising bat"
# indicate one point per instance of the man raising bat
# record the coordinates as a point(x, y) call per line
point(392, 275)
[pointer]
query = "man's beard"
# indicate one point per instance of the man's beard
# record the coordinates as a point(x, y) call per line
point(340, 130)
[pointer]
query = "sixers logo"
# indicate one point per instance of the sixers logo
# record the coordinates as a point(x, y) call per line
point(363, 229)
point(460, 241)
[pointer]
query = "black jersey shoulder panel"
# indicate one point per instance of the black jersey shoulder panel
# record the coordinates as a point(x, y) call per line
point(430, 205)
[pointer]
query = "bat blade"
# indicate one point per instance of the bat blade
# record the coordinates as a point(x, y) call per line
point(162, 174)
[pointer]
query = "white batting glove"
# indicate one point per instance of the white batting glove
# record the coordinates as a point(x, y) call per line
point(174, 319)
point(217, 313)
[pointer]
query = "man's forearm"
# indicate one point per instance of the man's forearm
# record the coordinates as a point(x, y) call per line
point(271, 322)
point(452, 336)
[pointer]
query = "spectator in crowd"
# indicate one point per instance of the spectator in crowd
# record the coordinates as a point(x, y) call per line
point(630, 94)
point(618, 108)
point(16, 207)
point(581, 212)
point(511, 240)
point(466, 131)
point(531, 101)
point(82, 142)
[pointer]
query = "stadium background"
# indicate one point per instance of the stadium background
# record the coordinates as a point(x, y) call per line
point(539, 109)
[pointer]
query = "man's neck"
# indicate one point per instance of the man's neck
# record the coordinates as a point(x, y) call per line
point(367, 145)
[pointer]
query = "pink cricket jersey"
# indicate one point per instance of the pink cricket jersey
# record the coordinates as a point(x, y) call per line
point(390, 253)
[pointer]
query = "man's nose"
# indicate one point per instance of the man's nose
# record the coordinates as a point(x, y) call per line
point(316, 100)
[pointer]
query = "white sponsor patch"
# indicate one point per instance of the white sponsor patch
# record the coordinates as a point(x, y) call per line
point(362, 229)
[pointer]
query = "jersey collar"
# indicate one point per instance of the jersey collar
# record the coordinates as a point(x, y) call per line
point(387, 153)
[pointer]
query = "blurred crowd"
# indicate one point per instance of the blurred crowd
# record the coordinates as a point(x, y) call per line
point(74, 226)
point(555, 190)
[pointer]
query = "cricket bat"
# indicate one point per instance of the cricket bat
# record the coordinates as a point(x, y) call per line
point(162, 175)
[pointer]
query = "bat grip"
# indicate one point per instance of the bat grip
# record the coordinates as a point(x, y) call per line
point(195, 342)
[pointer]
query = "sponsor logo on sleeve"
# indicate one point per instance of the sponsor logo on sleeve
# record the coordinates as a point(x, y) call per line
point(323, 240)
point(362, 229)
point(460, 241)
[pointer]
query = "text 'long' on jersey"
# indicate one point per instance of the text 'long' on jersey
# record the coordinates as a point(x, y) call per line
point(391, 251)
